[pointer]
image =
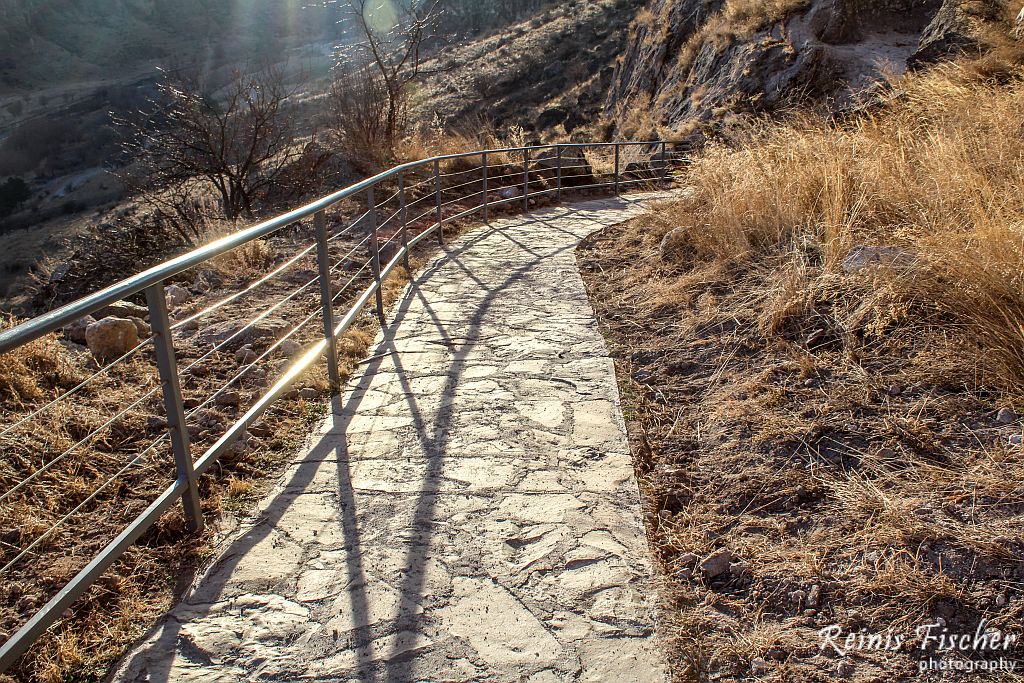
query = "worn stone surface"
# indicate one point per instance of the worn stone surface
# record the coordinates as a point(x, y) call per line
point(466, 513)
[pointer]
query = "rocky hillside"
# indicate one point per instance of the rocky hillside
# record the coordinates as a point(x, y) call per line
point(694, 61)
point(547, 74)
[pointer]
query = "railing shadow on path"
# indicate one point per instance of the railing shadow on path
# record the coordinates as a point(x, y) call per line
point(432, 438)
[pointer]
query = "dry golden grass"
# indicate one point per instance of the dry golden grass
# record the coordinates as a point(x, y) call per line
point(936, 172)
point(29, 371)
point(250, 259)
point(832, 428)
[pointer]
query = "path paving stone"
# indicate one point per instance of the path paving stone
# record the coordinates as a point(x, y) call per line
point(467, 512)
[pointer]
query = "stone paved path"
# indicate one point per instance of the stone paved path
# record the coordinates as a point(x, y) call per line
point(468, 511)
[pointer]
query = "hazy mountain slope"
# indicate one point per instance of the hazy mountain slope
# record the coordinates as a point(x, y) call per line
point(46, 42)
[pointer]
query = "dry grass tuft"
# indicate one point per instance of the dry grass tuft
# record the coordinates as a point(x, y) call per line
point(34, 369)
point(247, 261)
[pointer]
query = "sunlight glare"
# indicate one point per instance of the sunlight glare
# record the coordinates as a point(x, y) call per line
point(381, 16)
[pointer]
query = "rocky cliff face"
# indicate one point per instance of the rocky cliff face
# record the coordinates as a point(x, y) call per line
point(694, 61)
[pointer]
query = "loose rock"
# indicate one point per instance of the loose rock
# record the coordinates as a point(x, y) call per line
point(245, 355)
point(177, 296)
point(1006, 416)
point(229, 398)
point(111, 338)
point(688, 559)
point(241, 333)
point(124, 309)
point(673, 241)
point(758, 666)
point(863, 257)
point(259, 431)
point(289, 348)
point(308, 393)
point(716, 563)
point(76, 331)
point(141, 326)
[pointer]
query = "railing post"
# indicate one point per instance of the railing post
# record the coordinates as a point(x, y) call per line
point(558, 173)
point(437, 197)
point(167, 365)
point(664, 162)
point(326, 298)
point(484, 156)
point(375, 250)
point(526, 180)
point(616, 168)
point(404, 218)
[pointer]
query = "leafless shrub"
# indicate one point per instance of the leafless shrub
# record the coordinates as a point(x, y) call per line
point(233, 144)
point(375, 72)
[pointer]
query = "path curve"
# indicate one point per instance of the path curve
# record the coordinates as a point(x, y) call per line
point(467, 512)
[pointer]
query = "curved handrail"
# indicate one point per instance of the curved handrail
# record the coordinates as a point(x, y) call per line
point(62, 316)
point(151, 281)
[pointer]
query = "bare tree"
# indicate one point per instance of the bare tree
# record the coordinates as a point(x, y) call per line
point(357, 118)
point(390, 40)
point(236, 141)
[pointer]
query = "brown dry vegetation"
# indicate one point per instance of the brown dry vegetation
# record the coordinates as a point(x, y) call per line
point(143, 583)
point(834, 428)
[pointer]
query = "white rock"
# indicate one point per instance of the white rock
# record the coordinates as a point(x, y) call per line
point(177, 296)
point(716, 563)
point(111, 338)
point(862, 257)
point(510, 192)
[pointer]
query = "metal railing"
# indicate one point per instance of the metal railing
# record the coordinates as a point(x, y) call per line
point(426, 195)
